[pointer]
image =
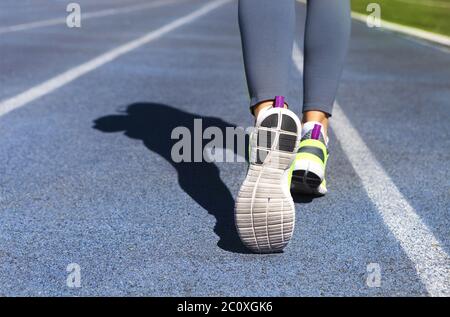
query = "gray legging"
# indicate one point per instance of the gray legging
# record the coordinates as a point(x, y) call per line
point(267, 31)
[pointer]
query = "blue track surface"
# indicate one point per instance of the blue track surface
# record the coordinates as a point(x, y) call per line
point(86, 175)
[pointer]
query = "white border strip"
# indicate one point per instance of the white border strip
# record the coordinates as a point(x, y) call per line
point(58, 81)
point(431, 262)
point(84, 16)
point(408, 30)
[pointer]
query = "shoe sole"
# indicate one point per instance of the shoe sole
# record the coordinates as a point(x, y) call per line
point(306, 179)
point(265, 211)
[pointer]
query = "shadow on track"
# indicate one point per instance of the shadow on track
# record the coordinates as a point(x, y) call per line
point(153, 124)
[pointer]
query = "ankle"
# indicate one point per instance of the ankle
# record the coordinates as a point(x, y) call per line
point(318, 117)
point(263, 106)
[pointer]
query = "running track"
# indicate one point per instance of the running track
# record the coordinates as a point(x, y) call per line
point(85, 174)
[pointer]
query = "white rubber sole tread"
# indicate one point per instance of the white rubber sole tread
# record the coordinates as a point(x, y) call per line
point(265, 211)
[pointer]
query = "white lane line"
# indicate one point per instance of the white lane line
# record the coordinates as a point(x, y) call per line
point(58, 81)
point(431, 262)
point(408, 30)
point(84, 16)
point(412, 32)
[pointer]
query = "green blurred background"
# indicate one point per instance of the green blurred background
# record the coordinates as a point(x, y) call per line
point(429, 15)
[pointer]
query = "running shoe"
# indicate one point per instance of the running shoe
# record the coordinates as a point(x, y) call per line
point(308, 169)
point(264, 210)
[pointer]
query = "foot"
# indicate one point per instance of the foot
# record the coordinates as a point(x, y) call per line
point(308, 169)
point(264, 211)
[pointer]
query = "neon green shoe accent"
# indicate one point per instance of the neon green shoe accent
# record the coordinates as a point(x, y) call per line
point(312, 161)
point(313, 142)
point(317, 144)
point(310, 157)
